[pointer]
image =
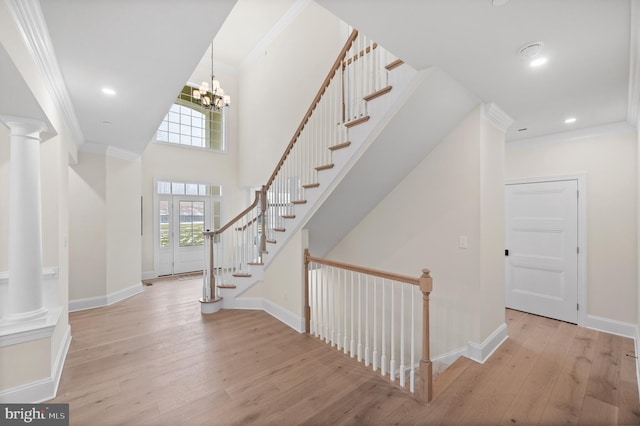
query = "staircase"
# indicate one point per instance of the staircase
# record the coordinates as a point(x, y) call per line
point(365, 87)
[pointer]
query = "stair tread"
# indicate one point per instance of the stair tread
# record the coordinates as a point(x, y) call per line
point(340, 146)
point(450, 375)
point(311, 185)
point(324, 167)
point(288, 216)
point(226, 286)
point(271, 242)
point(377, 93)
point(279, 229)
point(255, 263)
point(299, 202)
point(394, 64)
point(356, 121)
point(239, 275)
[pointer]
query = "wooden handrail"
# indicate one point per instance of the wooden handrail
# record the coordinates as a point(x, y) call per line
point(363, 270)
point(336, 66)
point(238, 217)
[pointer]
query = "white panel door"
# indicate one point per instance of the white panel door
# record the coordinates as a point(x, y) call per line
point(542, 244)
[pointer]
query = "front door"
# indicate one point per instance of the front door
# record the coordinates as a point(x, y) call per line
point(181, 221)
point(542, 244)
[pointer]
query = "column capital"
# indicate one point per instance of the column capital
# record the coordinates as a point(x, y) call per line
point(22, 126)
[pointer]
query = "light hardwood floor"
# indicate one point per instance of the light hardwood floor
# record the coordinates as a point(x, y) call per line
point(154, 360)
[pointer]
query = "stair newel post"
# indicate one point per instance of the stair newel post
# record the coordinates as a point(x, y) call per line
point(425, 381)
point(212, 274)
point(263, 227)
point(307, 308)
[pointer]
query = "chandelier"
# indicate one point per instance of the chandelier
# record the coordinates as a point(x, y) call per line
point(210, 95)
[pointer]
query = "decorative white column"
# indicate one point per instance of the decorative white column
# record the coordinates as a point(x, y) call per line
point(25, 224)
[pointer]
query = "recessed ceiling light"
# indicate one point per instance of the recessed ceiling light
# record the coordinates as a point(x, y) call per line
point(570, 120)
point(537, 62)
point(108, 91)
point(499, 2)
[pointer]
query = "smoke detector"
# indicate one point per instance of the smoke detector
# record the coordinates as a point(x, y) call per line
point(531, 50)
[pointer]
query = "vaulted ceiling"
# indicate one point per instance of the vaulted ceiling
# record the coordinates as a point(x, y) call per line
point(146, 50)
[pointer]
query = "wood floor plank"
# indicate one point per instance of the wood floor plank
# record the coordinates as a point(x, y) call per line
point(532, 397)
point(153, 359)
point(605, 378)
point(567, 396)
point(628, 406)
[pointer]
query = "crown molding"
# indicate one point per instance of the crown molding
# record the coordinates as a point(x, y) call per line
point(496, 116)
point(286, 20)
point(612, 129)
point(28, 17)
point(633, 108)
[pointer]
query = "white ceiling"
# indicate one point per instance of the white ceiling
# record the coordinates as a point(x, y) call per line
point(586, 41)
point(146, 50)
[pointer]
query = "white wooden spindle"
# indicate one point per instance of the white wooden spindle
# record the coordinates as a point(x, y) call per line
point(366, 320)
point(325, 303)
point(352, 348)
point(383, 356)
point(339, 311)
point(402, 378)
point(375, 325)
point(412, 377)
point(392, 367)
point(332, 307)
point(359, 317)
point(345, 337)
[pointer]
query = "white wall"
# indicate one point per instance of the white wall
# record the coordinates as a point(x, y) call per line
point(123, 233)
point(105, 240)
point(88, 217)
point(610, 161)
point(278, 87)
point(418, 224)
point(492, 231)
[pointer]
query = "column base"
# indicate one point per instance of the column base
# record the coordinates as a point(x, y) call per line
point(26, 316)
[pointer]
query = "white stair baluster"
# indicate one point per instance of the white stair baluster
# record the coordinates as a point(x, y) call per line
point(402, 378)
point(412, 377)
point(383, 356)
point(352, 348)
point(366, 320)
point(339, 311)
point(375, 325)
point(392, 367)
point(345, 345)
point(359, 317)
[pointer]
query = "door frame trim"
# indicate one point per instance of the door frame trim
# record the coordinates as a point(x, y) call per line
point(581, 179)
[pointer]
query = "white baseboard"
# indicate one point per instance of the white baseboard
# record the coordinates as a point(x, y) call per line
point(451, 356)
point(259, 303)
point(40, 390)
point(149, 275)
point(607, 325)
point(481, 352)
point(102, 301)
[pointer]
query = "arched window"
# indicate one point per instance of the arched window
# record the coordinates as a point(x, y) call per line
point(187, 123)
